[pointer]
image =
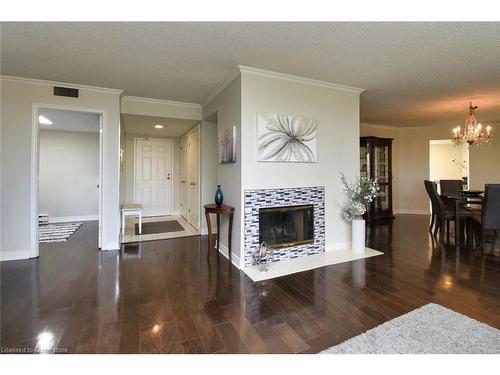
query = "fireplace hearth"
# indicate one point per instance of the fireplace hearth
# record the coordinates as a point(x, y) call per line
point(286, 226)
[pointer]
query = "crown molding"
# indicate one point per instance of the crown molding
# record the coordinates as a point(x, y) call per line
point(57, 83)
point(293, 78)
point(161, 101)
point(226, 83)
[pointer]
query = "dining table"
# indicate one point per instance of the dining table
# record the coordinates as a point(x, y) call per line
point(468, 199)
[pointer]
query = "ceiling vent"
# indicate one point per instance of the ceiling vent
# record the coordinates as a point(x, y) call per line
point(66, 91)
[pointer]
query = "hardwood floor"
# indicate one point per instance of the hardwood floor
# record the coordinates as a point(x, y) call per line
point(166, 298)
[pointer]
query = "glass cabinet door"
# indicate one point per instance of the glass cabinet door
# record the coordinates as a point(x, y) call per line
point(381, 164)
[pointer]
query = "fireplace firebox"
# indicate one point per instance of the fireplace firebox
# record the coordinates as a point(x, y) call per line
point(286, 226)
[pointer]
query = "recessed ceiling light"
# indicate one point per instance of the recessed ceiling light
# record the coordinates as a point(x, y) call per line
point(44, 120)
point(158, 126)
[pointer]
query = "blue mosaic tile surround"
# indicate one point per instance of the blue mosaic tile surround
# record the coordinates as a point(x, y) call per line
point(255, 199)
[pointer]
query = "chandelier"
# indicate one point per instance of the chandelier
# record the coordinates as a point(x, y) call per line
point(472, 133)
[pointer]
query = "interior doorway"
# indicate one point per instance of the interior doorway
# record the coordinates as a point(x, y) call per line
point(155, 178)
point(448, 162)
point(67, 166)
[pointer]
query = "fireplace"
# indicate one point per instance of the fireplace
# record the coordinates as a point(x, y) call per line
point(286, 226)
point(301, 214)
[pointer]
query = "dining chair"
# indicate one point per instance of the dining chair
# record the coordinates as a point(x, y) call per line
point(428, 189)
point(489, 217)
point(442, 211)
point(451, 187)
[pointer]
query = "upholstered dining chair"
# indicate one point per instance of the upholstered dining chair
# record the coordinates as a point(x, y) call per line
point(428, 188)
point(489, 217)
point(442, 214)
point(451, 187)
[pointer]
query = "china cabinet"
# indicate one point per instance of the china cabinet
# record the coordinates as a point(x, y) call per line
point(376, 162)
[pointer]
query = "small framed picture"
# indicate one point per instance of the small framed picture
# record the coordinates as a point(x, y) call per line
point(227, 146)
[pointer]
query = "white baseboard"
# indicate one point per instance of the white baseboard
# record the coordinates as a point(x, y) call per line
point(412, 212)
point(14, 255)
point(66, 219)
point(235, 259)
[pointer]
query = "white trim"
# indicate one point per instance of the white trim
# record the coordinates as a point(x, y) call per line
point(226, 83)
point(200, 213)
point(56, 83)
point(412, 212)
point(161, 101)
point(290, 77)
point(14, 255)
point(235, 259)
point(67, 219)
point(171, 141)
point(35, 143)
point(35, 134)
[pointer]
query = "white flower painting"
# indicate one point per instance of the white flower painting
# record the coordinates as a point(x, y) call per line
point(283, 138)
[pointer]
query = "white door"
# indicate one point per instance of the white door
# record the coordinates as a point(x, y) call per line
point(153, 176)
point(184, 177)
point(194, 177)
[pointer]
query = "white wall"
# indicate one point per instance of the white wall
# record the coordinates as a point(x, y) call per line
point(69, 174)
point(129, 169)
point(17, 100)
point(337, 113)
point(227, 107)
point(441, 154)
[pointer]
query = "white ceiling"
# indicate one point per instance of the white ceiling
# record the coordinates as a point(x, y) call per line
point(414, 73)
point(144, 125)
point(70, 120)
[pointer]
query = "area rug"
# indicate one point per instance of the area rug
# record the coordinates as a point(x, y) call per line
point(431, 329)
point(56, 232)
point(159, 227)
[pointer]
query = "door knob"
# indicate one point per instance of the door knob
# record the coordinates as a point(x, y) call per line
point(193, 183)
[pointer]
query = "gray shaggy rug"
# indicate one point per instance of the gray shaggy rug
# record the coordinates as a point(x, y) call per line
point(431, 329)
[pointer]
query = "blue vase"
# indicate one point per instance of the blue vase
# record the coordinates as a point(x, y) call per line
point(219, 197)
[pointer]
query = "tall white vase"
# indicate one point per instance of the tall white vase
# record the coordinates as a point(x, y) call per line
point(358, 236)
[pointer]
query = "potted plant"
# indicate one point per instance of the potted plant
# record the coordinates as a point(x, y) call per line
point(359, 195)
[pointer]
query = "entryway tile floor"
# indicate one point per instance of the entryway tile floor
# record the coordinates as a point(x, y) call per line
point(130, 235)
point(305, 263)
